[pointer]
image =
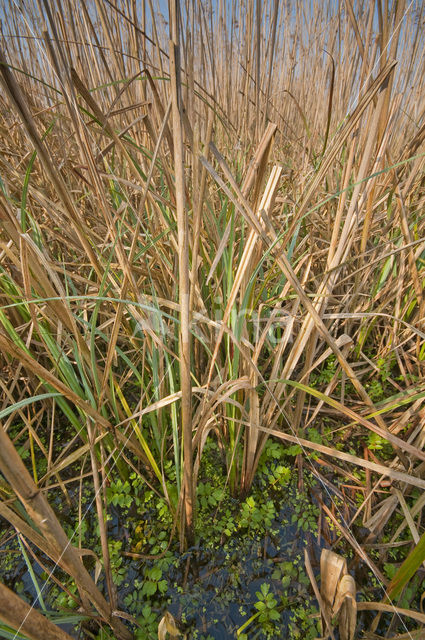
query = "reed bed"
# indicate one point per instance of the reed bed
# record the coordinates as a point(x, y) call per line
point(201, 213)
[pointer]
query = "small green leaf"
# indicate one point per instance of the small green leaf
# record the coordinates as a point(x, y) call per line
point(149, 588)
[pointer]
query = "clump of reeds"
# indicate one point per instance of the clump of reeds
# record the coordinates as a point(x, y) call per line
point(194, 220)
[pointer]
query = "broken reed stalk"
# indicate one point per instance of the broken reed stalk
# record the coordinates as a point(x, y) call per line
point(184, 279)
point(39, 510)
point(32, 623)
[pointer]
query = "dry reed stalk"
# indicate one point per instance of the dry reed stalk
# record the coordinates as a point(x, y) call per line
point(184, 274)
point(248, 261)
point(125, 211)
point(17, 98)
point(313, 319)
point(307, 333)
point(14, 611)
point(31, 534)
point(46, 521)
point(101, 517)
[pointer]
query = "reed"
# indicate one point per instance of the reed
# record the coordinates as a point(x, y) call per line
point(193, 221)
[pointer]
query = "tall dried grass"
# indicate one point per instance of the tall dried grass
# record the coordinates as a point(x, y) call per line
point(193, 221)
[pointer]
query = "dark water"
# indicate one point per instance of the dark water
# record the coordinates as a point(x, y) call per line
point(211, 591)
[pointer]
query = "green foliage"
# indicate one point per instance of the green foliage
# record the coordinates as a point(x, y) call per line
point(65, 601)
point(267, 607)
point(271, 470)
point(94, 238)
point(208, 495)
point(304, 624)
point(286, 572)
point(116, 559)
point(375, 390)
point(148, 624)
point(376, 442)
point(390, 570)
point(254, 515)
point(154, 582)
point(230, 530)
point(325, 375)
point(306, 513)
point(294, 450)
point(120, 493)
point(291, 594)
point(401, 578)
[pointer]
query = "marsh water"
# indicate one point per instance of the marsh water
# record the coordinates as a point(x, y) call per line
point(213, 589)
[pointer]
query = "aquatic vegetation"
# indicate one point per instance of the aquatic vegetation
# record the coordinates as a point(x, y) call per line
point(211, 312)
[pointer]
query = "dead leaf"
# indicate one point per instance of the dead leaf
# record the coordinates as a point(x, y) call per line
point(168, 625)
point(97, 570)
point(332, 568)
point(346, 606)
point(338, 592)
